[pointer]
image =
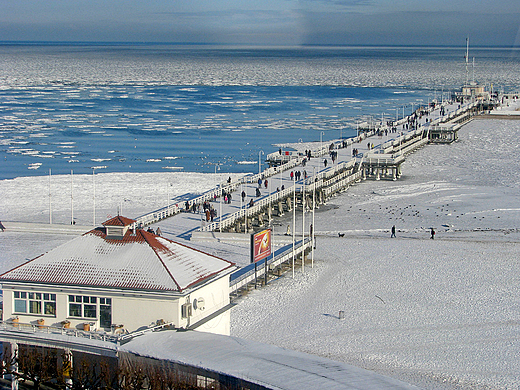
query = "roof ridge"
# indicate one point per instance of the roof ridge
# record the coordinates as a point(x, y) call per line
point(147, 237)
point(119, 220)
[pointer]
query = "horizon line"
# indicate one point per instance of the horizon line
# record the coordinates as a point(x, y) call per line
point(205, 44)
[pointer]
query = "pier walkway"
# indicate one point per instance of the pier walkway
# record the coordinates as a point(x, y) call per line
point(297, 181)
point(302, 180)
point(376, 152)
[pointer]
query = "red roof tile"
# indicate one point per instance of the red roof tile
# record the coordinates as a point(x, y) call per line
point(119, 221)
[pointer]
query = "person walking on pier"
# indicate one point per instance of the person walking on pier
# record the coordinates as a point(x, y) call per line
point(432, 234)
point(393, 232)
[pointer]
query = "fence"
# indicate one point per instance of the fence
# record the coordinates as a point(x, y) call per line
point(82, 334)
point(170, 210)
point(247, 274)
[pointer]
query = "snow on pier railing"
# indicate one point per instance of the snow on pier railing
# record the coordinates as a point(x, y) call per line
point(247, 274)
point(230, 219)
point(401, 145)
point(178, 206)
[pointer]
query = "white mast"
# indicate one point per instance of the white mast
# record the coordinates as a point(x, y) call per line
point(71, 197)
point(473, 73)
point(467, 59)
point(50, 198)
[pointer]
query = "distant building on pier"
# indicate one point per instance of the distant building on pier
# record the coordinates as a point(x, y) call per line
point(473, 91)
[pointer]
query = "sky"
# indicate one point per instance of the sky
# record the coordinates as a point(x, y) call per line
point(265, 22)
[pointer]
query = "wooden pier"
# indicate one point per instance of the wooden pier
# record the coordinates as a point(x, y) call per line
point(375, 154)
point(378, 157)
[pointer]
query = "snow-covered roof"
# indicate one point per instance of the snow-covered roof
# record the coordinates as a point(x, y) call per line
point(138, 260)
point(267, 365)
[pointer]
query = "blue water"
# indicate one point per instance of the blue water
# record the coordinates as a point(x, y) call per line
point(157, 109)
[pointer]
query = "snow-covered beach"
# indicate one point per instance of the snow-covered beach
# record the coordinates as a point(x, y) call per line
point(440, 313)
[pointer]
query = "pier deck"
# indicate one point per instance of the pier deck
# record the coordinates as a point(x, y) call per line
point(380, 153)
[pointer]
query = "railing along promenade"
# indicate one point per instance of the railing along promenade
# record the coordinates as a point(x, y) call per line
point(27, 328)
point(395, 149)
point(177, 207)
point(266, 201)
point(251, 272)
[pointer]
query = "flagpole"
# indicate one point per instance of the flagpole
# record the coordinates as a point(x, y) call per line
point(313, 208)
point(303, 226)
point(294, 222)
point(94, 197)
point(50, 199)
point(71, 197)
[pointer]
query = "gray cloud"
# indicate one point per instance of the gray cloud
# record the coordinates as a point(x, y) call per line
point(411, 28)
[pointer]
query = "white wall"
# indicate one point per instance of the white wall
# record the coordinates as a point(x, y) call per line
point(134, 311)
point(216, 296)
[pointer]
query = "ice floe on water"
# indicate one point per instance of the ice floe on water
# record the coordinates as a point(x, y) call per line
point(441, 314)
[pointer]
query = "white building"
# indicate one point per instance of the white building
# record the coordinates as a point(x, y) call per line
point(117, 278)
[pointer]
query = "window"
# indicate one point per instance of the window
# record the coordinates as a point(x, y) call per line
point(105, 312)
point(35, 303)
point(83, 306)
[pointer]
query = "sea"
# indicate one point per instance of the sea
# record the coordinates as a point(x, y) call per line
point(92, 108)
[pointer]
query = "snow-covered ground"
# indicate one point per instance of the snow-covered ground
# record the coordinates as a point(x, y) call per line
point(441, 314)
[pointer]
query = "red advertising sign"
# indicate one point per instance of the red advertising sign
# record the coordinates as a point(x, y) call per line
point(260, 245)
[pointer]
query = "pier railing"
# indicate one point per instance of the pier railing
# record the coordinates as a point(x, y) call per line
point(402, 145)
point(32, 328)
point(343, 183)
point(180, 205)
point(247, 212)
point(247, 274)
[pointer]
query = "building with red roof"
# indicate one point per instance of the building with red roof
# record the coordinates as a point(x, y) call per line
point(120, 277)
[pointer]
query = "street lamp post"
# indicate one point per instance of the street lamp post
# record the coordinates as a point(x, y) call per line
point(71, 197)
point(50, 199)
point(220, 210)
point(94, 196)
point(321, 141)
point(294, 224)
point(260, 153)
point(313, 207)
point(303, 224)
